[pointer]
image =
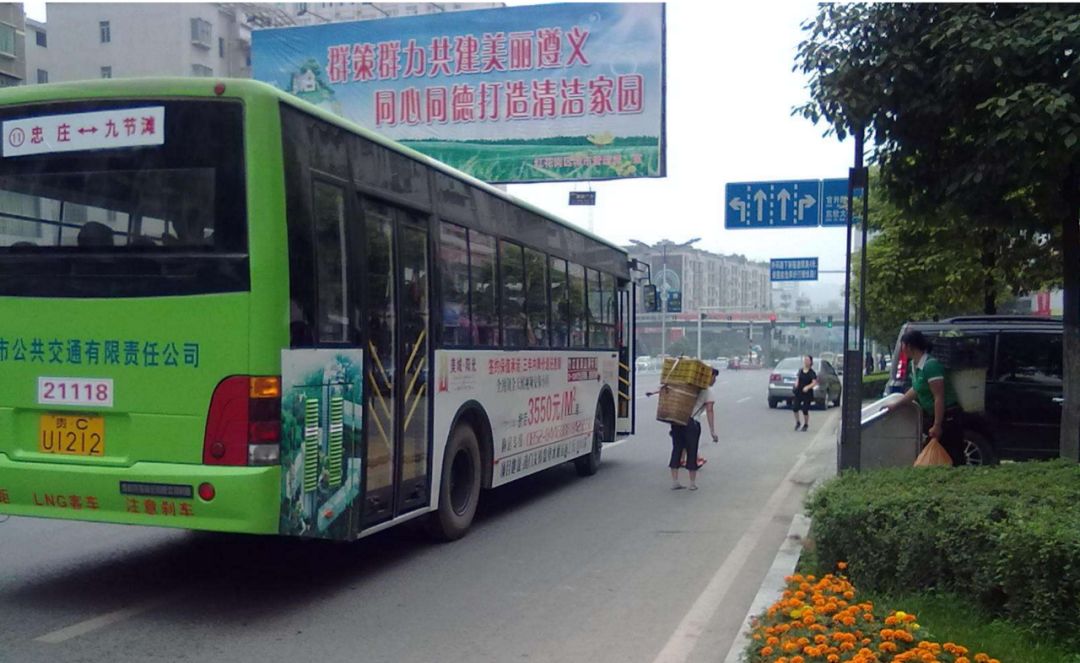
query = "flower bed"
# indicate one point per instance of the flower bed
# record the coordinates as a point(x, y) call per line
point(1005, 538)
point(822, 620)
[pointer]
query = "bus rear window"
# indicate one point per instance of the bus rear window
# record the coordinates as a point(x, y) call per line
point(146, 220)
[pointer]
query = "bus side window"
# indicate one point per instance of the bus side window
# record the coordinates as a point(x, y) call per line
point(536, 299)
point(484, 294)
point(454, 273)
point(576, 292)
point(610, 309)
point(512, 281)
point(329, 206)
point(560, 305)
point(595, 309)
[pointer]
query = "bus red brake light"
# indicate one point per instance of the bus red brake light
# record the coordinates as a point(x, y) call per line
point(243, 425)
point(226, 438)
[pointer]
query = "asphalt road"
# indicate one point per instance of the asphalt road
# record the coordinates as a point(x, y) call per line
point(615, 567)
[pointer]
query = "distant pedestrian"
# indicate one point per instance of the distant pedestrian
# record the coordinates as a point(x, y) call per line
point(805, 381)
point(882, 365)
point(933, 391)
point(684, 439)
point(869, 365)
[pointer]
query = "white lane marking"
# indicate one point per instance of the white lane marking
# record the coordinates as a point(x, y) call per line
point(743, 400)
point(682, 642)
point(99, 622)
point(611, 445)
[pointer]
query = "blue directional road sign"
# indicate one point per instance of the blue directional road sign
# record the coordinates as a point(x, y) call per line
point(793, 204)
point(674, 301)
point(834, 202)
point(793, 269)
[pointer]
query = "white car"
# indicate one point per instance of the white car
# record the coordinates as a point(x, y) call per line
point(643, 363)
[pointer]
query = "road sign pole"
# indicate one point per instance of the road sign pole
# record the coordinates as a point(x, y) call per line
point(849, 450)
point(663, 308)
point(700, 315)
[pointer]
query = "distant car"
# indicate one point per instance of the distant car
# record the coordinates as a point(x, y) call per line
point(643, 363)
point(783, 378)
point(734, 363)
point(1008, 374)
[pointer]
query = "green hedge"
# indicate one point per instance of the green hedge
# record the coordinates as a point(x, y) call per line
point(873, 385)
point(1006, 537)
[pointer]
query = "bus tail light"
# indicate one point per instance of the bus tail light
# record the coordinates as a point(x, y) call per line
point(243, 425)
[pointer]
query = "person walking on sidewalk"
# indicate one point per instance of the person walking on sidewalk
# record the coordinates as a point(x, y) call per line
point(805, 381)
point(684, 439)
point(934, 392)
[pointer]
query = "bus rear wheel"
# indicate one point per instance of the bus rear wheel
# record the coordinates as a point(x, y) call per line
point(459, 490)
point(587, 466)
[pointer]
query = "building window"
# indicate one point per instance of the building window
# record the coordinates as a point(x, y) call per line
point(106, 72)
point(42, 76)
point(39, 36)
point(106, 33)
point(201, 70)
point(221, 47)
point(7, 40)
point(201, 32)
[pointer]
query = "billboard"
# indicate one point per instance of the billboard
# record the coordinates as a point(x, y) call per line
point(541, 93)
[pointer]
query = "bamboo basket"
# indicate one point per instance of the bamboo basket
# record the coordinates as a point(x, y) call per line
point(686, 371)
point(676, 403)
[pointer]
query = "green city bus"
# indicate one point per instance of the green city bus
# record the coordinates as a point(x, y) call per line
point(222, 308)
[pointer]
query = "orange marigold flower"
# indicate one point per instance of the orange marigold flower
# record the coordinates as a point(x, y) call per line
point(766, 651)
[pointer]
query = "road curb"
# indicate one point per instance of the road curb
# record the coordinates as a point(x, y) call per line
point(787, 558)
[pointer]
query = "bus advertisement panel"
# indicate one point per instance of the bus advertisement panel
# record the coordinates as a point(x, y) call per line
point(520, 94)
point(551, 403)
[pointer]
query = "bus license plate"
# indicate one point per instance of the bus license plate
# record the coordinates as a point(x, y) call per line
point(71, 435)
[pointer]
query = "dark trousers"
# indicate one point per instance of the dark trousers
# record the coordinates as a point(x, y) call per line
point(952, 432)
point(685, 438)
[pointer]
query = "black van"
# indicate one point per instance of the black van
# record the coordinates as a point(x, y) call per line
point(1008, 373)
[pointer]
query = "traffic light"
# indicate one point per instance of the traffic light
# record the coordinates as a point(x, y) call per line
point(817, 321)
point(802, 322)
point(828, 322)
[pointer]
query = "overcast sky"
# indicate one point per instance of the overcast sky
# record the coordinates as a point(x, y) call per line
point(730, 91)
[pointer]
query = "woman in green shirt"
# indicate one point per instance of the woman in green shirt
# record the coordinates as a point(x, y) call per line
point(933, 391)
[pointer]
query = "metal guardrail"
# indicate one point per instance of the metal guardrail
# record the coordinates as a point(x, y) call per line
point(889, 439)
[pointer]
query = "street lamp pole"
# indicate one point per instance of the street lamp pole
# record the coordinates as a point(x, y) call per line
point(663, 307)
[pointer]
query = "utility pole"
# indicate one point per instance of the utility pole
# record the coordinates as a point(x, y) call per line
point(664, 294)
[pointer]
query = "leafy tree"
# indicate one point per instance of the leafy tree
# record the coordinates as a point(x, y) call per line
point(971, 108)
point(926, 266)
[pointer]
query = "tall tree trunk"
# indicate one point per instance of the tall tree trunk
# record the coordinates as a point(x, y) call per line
point(1070, 252)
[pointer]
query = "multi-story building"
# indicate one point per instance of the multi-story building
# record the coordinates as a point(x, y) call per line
point(38, 55)
point(309, 13)
point(12, 44)
point(708, 280)
point(113, 40)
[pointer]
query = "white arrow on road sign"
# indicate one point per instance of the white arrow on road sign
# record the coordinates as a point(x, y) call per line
point(806, 202)
point(784, 197)
point(759, 198)
point(739, 206)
